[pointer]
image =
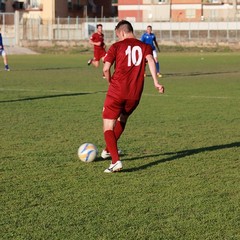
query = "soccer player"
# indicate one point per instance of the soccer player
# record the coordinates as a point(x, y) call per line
point(150, 38)
point(97, 40)
point(128, 56)
point(3, 54)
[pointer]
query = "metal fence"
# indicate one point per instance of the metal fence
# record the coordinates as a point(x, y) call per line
point(24, 31)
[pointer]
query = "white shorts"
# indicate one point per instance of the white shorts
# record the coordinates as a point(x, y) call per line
point(155, 53)
point(2, 53)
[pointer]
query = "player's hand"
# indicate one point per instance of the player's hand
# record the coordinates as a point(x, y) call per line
point(160, 88)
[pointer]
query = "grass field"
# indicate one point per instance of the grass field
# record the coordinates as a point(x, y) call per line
point(181, 152)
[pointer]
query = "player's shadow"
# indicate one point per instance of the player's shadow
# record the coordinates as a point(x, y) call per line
point(178, 155)
point(191, 74)
point(48, 97)
point(45, 69)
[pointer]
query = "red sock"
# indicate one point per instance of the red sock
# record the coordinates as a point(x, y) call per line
point(111, 143)
point(118, 130)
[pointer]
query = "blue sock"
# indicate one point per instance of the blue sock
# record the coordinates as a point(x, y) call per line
point(158, 67)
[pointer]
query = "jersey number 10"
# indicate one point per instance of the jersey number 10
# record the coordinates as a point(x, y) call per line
point(134, 55)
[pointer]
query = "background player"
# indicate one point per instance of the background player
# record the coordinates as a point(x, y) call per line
point(97, 40)
point(149, 38)
point(128, 56)
point(3, 53)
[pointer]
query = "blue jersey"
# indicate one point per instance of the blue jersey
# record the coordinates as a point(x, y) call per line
point(149, 39)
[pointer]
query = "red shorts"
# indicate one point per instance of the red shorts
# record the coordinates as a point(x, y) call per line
point(99, 54)
point(114, 107)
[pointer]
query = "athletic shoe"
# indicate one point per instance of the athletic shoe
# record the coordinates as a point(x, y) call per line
point(159, 75)
point(106, 154)
point(7, 69)
point(103, 76)
point(116, 167)
point(89, 62)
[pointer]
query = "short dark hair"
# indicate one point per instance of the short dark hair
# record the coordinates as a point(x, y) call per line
point(125, 25)
point(99, 25)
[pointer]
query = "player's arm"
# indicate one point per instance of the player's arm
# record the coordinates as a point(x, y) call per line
point(95, 43)
point(153, 70)
point(107, 71)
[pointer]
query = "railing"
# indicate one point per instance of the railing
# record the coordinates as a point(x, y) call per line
point(77, 30)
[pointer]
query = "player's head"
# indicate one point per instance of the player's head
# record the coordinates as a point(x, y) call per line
point(124, 29)
point(99, 27)
point(149, 29)
point(124, 26)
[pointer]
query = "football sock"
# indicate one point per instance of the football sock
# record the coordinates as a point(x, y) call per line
point(111, 143)
point(158, 67)
point(118, 130)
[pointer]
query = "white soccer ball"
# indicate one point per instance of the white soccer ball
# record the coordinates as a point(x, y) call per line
point(87, 152)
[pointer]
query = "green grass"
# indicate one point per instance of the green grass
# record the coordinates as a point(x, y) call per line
point(181, 164)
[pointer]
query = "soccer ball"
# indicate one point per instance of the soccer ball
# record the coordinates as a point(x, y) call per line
point(87, 152)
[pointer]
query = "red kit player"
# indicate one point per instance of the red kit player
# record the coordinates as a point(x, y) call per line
point(128, 56)
point(97, 40)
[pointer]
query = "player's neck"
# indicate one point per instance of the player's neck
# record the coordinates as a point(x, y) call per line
point(129, 35)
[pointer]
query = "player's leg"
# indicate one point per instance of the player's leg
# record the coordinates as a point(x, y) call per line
point(95, 60)
point(120, 126)
point(111, 143)
point(111, 112)
point(5, 60)
point(110, 138)
point(102, 58)
point(145, 72)
point(158, 69)
point(157, 63)
point(118, 130)
point(95, 63)
point(89, 62)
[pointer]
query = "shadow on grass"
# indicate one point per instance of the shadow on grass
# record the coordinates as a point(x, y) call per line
point(178, 155)
point(46, 69)
point(49, 96)
point(191, 74)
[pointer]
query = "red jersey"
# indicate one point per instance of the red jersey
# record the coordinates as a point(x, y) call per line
point(128, 79)
point(96, 37)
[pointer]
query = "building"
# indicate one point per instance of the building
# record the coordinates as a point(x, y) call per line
point(178, 10)
point(133, 10)
point(52, 9)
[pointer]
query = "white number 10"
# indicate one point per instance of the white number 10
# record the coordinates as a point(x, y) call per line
point(132, 55)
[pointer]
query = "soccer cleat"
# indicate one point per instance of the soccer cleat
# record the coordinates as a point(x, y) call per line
point(116, 167)
point(159, 75)
point(7, 69)
point(89, 62)
point(106, 154)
